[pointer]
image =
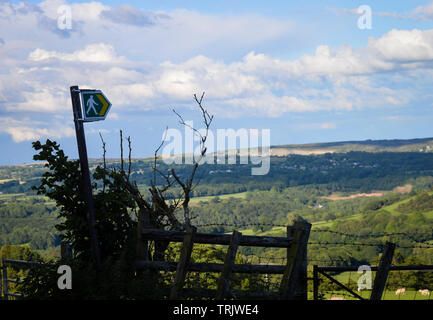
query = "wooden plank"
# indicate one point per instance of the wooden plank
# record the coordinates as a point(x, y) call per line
point(382, 272)
point(15, 281)
point(65, 251)
point(201, 293)
point(5, 277)
point(211, 267)
point(182, 265)
point(316, 283)
point(411, 268)
point(291, 257)
point(235, 294)
point(342, 285)
point(375, 268)
point(214, 238)
point(294, 283)
point(223, 284)
point(22, 264)
point(141, 245)
point(341, 269)
point(1, 282)
point(301, 292)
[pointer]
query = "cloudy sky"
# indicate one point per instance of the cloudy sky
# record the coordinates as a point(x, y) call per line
point(314, 72)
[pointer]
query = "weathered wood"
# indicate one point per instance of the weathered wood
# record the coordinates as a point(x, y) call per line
point(301, 292)
point(294, 283)
point(22, 264)
point(201, 293)
point(342, 285)
point(142, 245)
point(291, 258)
point(382, 272)
point(182, 265)
point(375, 268)
point(65, 251)
point(223, 284)
point(5, 282)
point(211, 267)
point(212, 238)
point(1, 282)
point(316, 283)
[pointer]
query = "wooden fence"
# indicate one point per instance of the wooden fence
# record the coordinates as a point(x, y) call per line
point(5, 280)
point(294, 281)
point(382, 271)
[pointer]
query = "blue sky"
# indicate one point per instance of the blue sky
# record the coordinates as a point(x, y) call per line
point(305, 71)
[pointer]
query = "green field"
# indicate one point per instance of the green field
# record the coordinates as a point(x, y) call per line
point(392, 209)
point(240, 195)
point(387, 295)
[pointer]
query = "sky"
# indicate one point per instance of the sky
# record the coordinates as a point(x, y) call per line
point(311, 71)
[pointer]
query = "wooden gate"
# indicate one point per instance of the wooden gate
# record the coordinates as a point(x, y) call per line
point(294, 282)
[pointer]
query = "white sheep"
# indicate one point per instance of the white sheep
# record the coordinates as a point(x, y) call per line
point(400, 291)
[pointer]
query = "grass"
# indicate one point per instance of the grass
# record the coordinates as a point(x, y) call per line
point(240, 195)
point(274, 232)
point(387, 295)
point(281, 231)
point(392, 208)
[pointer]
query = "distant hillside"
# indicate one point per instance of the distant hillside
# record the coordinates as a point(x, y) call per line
point(395, 145)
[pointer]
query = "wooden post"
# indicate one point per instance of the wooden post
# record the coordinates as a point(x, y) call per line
point(5, 280)
point(84, 164)
point(142, 245)
point(224, 279)
point(294, 283)
point(65, 250)
point(382, 272)
point(316, 283)
point(182, 265)
point(1, 282)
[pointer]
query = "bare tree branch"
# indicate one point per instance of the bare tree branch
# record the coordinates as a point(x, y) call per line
point(105, 163)
point(187, 186)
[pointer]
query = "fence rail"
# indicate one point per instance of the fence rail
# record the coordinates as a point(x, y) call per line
point(380, 280)
point(294, 281)
point(5, 294)
point(213, 238)
point(293, 266)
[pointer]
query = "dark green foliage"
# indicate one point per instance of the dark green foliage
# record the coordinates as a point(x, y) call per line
point(115, 226)
point(62, 183)
point(422, 203)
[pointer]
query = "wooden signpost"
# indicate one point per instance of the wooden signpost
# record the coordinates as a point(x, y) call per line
point(93, 106)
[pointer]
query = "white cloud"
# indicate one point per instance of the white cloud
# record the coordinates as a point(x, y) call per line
point(328, 125)
point(316, 126)
point(404, 45)
point(127, 14)
point(96, 52)
point(423, 12)
point(419, 13)
point(147, 60)
point(28, 130)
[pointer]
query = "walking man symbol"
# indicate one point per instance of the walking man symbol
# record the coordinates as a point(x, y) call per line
point(91, 105)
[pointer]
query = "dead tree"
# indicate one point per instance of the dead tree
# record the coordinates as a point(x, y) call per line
point(157, 212)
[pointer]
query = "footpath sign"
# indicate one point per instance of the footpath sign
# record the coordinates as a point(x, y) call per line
point(95, 105)
point(92, 106)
